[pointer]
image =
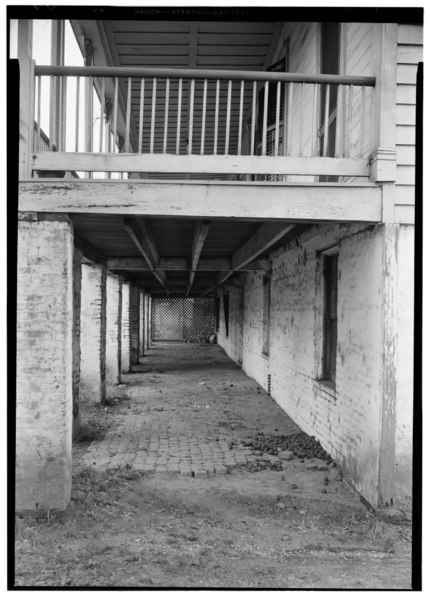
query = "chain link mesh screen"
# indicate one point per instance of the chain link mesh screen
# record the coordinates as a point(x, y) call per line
point(183, 319)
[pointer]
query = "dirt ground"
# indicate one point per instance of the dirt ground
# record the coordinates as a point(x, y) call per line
point(256, 526)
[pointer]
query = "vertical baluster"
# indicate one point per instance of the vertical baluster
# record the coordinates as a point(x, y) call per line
point(178, 124)
point(154, 101)
point(350, 99)
point(141, 107)
point(128, 116)
point(290, 118)
point(338, 151)
point(216, 117)
point(205, 93)
point(284, 122)
point(102, 110)
point(64, 114)
point(363, 116)
point(88, 115)
point(265, 107)
point(78, 85)
point(302, 93)
point(166, 116)
point(191, 118)
point(115, 114)
point(326, 108)
point(253, 112)
point(39, 95)
point(314, 138)
point(239, 135)
point(227, 121)
point(278, 109)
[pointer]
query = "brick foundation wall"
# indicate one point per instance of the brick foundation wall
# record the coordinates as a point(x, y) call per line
point(113, 330)
point(44, 392)
point(345, 419)
point(125, 329)
point(93, 334)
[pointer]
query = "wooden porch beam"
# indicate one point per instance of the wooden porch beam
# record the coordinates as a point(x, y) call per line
point(294, 202)
point(200, 234)
point(145, 246)
point(267, 235)
point(182, 264)
point(204, 164)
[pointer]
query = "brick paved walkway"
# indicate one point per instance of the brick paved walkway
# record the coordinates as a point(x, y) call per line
point(188, 407)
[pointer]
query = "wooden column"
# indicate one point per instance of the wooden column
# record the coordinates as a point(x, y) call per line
point(26, 96)
point(383, 158)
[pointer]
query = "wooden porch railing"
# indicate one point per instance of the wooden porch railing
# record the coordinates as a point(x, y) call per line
point(205, 121)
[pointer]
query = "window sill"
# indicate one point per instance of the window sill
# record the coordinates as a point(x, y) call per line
point(328, 386)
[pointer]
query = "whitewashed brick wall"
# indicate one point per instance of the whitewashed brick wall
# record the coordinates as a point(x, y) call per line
point(44, 392)
point(347, 420)
point(77, 275)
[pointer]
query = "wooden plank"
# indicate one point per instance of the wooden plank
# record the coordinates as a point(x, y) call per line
point(409, 54)
point(405, 175)
point(410, 34)
point(170, 163)
point(306, 202)
point(166, 115)
point(182, 264)
point(200, 234)
point(405, 114)
point(405, 155)
point(406, 94)
point(143, 244)
point(407, 74)
point(404, 214)
point(405, 195)
point(405, 135)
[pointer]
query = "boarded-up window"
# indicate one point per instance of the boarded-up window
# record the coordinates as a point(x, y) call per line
point(226, 303)
point(266, 315)
point(330, 317)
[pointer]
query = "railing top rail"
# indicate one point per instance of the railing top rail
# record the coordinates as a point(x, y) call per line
point(202, 74)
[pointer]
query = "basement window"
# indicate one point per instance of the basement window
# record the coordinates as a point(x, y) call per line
point(226, 302)
point(330, 317)
point(266, 315)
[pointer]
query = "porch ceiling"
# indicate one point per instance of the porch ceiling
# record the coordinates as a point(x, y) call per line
point(191, 44)
point(173, 239)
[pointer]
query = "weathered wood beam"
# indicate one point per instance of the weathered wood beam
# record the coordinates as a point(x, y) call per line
point(204, 164)
point(200, 234)
point(145, 247)
point(266, 236)
point(182, 264)
point(296, 202)
point(26, 96)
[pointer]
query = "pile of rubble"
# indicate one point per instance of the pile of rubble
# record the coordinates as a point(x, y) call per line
point(286, 447)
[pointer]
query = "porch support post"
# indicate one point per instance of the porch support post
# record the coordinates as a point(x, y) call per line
point(125, 328)
point(45, 340)
point(113, 330)
point(93, 333)
point(134, 324)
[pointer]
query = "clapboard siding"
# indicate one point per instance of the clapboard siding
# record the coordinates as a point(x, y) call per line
point(409, 53)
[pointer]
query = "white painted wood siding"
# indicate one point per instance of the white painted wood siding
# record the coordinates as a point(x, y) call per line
point(409, 54)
